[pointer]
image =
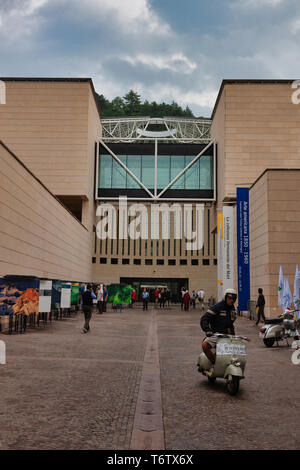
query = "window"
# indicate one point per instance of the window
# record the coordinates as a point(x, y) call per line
point(205, 262)
point(172, 262)
point(114, 261)
point(125, 261)
point(136, 261)
point(160, 261)
point(148, 170)
point(206, 172)
point(103, 260)
point(94, 260)
point(195, 262)
point(134, 165)
point(177, 165)
point(183, 262)
point(215, 262)
point(105, 168)
point(192, 174)
point(148, 262)
point(119, 173)
point(163, 171)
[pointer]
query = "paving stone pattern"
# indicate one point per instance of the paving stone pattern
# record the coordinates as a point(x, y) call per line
point(62, 389)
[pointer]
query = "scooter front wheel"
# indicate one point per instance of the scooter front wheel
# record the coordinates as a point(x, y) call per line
point(212, 379)
point(269, 342)
point(233, 385)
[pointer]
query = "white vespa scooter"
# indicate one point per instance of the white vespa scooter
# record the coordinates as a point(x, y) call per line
point(230, 361)
point(279, 328)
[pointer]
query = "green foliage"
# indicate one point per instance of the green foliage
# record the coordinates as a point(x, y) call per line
point(131, 105)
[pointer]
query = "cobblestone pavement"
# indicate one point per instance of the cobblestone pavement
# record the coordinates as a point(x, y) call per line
point(61, 389)
point(265, 414)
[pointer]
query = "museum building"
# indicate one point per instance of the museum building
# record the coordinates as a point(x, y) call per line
point(60, 161)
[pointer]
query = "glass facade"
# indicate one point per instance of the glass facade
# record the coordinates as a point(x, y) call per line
point(113, 176)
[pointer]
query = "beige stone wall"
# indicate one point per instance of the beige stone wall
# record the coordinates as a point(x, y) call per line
point(52, 126)
point(274, 233)
point(259, 127)
point(284, 228)
point(38, 235)
point(256, 127)
point(259, 241)
point(46, 125)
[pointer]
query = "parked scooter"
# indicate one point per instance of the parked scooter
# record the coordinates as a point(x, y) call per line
point(279, 328)
point(230, 361)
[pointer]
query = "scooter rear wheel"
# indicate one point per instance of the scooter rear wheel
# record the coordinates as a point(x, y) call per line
point(269, 342)
point(233, 385)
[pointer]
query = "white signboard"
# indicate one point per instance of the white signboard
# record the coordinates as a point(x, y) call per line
point(45, 296)
point(229, 349)
point(227, 247)
point(65, 299)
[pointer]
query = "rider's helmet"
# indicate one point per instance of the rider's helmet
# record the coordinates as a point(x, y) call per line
point(231, 293)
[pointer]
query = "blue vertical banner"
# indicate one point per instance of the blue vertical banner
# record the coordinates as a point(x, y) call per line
point(243, 247)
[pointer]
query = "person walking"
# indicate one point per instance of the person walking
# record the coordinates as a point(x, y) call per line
point(182, 292)
point(133, 298)
point(105, 298)
point(201, 295)
point(162, 299)
point(145, 297)
point(100, 299)
point(186, 299)
point(87, 306)
point(194, 297)
point(156, 297)
point(260, 306)
point(168, 296)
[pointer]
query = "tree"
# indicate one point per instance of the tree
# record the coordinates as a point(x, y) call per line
point(132, 102)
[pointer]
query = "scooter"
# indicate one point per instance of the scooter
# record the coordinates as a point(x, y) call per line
point(230, 361)
point(279, 329)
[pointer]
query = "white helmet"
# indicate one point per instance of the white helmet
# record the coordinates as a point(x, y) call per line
point(230, 293)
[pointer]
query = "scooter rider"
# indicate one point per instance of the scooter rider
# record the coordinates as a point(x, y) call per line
point(218, 319)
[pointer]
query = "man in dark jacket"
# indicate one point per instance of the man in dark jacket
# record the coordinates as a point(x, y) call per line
point(87, 306)
point(218, 319)
point(261, 306)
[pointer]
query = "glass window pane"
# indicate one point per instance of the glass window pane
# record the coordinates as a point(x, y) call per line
point(134, 165)
point(148, 171)
point(206, 172)
point(119, 173)
point(105, 166)
point(163, 171)
point(192, 180)
point(177, 165)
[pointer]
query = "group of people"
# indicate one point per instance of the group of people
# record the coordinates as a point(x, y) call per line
point(188, 299)
point(162, 296)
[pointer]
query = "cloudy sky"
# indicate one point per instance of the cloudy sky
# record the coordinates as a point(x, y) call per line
point(164, 49)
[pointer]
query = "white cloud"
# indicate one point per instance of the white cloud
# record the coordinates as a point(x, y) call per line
point(295, 26)
point(257, 3)
point(132, 16)
point(176, 62)
point(20, 18)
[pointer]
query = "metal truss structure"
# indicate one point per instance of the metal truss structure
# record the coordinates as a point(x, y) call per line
point(181, 130)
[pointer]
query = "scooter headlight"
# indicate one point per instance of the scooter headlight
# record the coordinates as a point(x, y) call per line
point(235, 362)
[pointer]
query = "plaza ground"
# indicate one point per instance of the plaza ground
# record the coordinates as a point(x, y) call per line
point(62, 389)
